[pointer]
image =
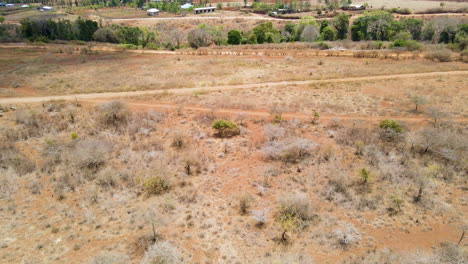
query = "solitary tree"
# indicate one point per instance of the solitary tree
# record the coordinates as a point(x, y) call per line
point(418, 100)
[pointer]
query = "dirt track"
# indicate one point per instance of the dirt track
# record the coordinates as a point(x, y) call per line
point(264, 114)
point(16, 100)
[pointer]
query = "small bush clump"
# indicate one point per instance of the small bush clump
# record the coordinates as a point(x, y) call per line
point(391, 124)
point(156, 185)
point(289, 150)
point(91, 153)
point(439, 55)
point(112, 114)
point(225, 128)
point(162, 252)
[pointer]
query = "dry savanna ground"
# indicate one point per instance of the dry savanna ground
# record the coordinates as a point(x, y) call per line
point(305, 173)
point(32, 71)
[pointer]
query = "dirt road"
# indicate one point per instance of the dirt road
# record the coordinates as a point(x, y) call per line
point(221, 88)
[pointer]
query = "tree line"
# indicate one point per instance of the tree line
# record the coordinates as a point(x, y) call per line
point(372, 25)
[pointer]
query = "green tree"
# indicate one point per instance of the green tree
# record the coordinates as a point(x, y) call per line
point(329, 33)
point(234, 37)
point(323, 25)
point(413, 26)
point(373, 25)
point(2, 19)
point(341, 23)
point(265, 33)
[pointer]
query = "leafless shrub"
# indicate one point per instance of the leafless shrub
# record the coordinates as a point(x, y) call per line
point(52, 154)
point(8, 183)
point(110, 258)
point(10, 156)
point(245, 201)
point(442, 55)
point(347, 235)
point(297, 205)
point(162, 252)
point(446, 253)
point(444, 144)
point(66, 181)
point(34, 186)
point(351, 135)
point(91, 153)
point(192, 163)
point(179, 140)
point(112, 114)
point(198, 38)
point(27, 117)
point(290, 258)
point(274, 132)
point(108, 177)
point(289, 150)
point(259, 216)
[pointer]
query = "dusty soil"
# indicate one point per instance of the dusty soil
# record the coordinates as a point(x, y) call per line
point(59, 211)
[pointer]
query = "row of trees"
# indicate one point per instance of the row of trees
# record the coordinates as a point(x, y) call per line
point(375, 25)
point(62, 29)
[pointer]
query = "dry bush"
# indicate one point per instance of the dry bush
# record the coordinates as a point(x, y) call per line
point(347, 235)
point(34, 186)
point(156, 185)
point(273, 132)
point(441, 55)
point(143, 123)
point(110, 258)
point(289, 150)
point(65, 181)
point(290, 258)
point(8, 183)
point(179, 140)
point(162, 252)
point(260, 217)
point(444, 144)
point(245, 201)
point(339, 190)
point(445, 253)
point(297, 206)
point(52, 155)
point(10, 156)
point(112, 114)
point(351, 135)
point(108, 177)
point(193, 163)
point(198, 38)
point(91, 153)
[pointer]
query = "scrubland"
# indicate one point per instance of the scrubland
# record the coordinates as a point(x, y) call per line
point(123, 182)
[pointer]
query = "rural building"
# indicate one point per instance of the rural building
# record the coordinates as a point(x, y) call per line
point(186, 6)
point(47, 8)
point(152, 12)
point(354, 7)
point(202, 10)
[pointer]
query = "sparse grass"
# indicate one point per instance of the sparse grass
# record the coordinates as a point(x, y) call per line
point(290, 150)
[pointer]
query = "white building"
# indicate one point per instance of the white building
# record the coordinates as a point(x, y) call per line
point(152, 12)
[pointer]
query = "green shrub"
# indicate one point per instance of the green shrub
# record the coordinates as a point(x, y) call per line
point(392, 125)
point(234, 37)
point(225, 128)
point(156, 185)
